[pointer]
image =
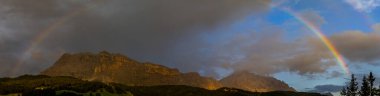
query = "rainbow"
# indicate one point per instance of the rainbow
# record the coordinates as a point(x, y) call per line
point(59, 22)
point(47, 31)
point(339, 58)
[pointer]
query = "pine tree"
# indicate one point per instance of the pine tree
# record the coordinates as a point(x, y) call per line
point(352, 88)
point(376, 91)
point(365, 88)
point(371, 80)
point(343, 92)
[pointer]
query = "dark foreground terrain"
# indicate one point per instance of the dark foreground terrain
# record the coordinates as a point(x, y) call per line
point(40, 85)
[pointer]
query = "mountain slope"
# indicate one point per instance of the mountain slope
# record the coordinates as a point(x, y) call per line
point(107, 67)
point(255, 83)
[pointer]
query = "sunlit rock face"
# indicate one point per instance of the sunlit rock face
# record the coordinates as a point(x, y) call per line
point(107, 67)
point(255, 83)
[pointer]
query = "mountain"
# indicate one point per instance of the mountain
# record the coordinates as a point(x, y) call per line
point(29, 85)
point(107, 67)
point(255, 83)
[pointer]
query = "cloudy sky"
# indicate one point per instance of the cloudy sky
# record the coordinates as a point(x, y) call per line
point(212, 37)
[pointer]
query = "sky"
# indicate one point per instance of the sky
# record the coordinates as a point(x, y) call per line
point(276, 38)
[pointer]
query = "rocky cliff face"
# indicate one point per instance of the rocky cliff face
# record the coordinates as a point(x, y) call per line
point(255, 83)
point(107, 67)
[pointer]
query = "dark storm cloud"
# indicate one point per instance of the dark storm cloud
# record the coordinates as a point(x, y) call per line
point(153, 26)
point(168, 32)
point(163, 31)
point(143, 29)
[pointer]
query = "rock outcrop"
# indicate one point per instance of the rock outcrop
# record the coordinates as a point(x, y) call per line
point(107, 67)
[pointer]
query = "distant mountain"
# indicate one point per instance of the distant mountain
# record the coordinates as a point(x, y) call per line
point(255, 83)
point(41, 85)
point(107, 67)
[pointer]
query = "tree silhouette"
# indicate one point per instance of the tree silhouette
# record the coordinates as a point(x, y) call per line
point(377, 91)
point(343, 92)
point(365, 88)
point(371, 80)
point(352, 88)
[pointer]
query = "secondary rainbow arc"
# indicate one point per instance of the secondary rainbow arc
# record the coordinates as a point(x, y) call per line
point(47, 31)
point(43, 34)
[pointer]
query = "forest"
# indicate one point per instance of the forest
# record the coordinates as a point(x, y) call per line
point(367, 87)
point(41, 85)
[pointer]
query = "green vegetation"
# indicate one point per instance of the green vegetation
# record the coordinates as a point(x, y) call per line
point(30, 85)
point(41, 85)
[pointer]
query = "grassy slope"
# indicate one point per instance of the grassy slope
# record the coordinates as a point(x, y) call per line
point(37, 85)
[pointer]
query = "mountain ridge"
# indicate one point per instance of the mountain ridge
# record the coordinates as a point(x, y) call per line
point(107, 67)
point(111, 67)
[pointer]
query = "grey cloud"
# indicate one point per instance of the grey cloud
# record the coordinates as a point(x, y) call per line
point(327, 88)
point(269, 54)
point(335, 74)
point(358, 46)
point(272, 53)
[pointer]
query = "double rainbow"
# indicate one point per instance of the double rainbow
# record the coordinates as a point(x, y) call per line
point(44, 33)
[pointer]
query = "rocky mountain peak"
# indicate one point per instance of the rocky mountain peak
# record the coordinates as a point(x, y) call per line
point(109, 67)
